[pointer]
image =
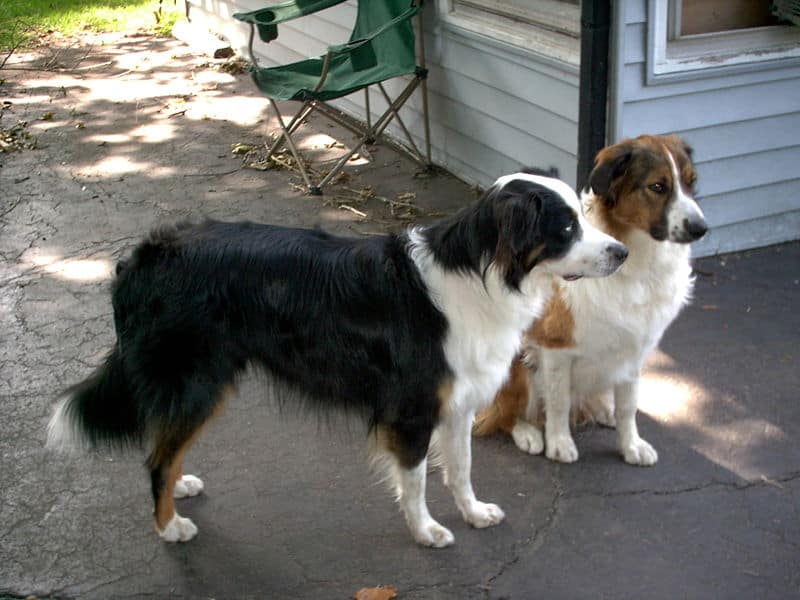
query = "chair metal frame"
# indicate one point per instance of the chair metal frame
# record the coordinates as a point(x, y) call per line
point(373, 130)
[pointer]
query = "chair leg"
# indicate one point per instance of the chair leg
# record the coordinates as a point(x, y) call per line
point(373, 132)
point(396, 115)
point(296, 121)
point(311, 188)
point(367, 109)
point(426, 121)
point(424, 85)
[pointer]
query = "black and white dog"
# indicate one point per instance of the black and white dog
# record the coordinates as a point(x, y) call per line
point(414, 332)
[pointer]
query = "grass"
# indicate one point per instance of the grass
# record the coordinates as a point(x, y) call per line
point(22, 21)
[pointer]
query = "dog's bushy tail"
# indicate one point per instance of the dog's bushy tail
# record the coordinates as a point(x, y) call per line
point(100, 412)
point(489, 420)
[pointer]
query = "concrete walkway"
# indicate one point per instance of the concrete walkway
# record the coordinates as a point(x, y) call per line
point(136, 131)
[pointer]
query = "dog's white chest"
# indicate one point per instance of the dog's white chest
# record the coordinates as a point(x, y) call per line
point(621, 320)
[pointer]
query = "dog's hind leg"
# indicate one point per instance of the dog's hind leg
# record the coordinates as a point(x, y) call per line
point(526, 432)
point(405, 454)
point(166, 474)
point(455, 446)
point(165, 464)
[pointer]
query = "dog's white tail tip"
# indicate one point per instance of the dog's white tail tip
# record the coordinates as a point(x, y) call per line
point(62, 432)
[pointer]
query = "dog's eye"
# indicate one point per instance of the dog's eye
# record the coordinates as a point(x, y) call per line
point(658, 188)
point(568, 228)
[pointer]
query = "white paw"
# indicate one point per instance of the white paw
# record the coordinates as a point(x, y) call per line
point(527, 438)
point(188, 485)
point(562, 449)
point(433, 535)
point(178, 530)
point(639, 452)
point(481, 515)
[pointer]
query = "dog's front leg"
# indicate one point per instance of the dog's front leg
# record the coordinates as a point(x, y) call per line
point(634, 449)
point(556, 373)
point(455, 445)
point(411, 488)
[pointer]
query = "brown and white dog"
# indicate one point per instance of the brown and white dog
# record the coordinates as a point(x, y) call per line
point(595, 334)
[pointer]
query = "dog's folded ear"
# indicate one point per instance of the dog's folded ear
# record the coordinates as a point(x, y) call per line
point(610, 164)
point(517, 235)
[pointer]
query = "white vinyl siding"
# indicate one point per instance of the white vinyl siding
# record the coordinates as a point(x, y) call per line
point(744, 127)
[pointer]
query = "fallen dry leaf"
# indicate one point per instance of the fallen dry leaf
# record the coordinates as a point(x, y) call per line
point(376, 593)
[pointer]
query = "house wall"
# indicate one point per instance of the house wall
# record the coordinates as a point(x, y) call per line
point(493, 107)
point(744, 127)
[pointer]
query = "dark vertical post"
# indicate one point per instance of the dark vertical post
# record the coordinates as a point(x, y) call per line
point(595, 36)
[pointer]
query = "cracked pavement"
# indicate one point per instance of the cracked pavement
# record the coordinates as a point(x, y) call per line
point(138, 131)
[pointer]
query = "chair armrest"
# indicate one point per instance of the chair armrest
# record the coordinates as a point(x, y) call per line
point(284, 11)
point(266, 19)
point(361, 52)
point(356, 44)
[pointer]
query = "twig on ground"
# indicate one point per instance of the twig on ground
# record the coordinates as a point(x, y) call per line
point(353, 210)
point(11, 51)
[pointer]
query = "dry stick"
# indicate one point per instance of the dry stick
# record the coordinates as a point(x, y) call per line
point(97, 66)
point(353, 210)
point(385, 200)
point(11, 51)
point(220, 174)
point(284, 163)
point(76, 66)
point(49, 65)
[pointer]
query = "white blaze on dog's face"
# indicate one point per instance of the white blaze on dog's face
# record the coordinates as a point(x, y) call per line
point(685, 220)
point(570, 247)
point(647, 183)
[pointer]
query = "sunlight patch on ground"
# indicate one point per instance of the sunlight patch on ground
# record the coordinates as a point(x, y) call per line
point(109, 138)
point(669, 399)
point(114, 91)
point(326, 147)
point(728, 432)
point(668, 395)
point(736, 444)
point(74, 269)
point(35, 99)
point(157, 132)
point(241, 110)
point(320, 140)
point(122, 165)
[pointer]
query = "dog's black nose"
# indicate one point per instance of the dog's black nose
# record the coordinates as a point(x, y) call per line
point(618, 251)
point(695, 228)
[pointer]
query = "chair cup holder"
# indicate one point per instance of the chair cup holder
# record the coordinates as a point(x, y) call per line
point(267, 31)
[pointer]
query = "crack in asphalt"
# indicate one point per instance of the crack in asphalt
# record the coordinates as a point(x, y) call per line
point(763, 481)
point(539, 536)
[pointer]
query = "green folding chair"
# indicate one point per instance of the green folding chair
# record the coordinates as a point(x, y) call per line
point(381, 47)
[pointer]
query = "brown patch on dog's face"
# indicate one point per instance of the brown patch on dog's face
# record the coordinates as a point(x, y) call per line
point(635, 183)
point(556, 326)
